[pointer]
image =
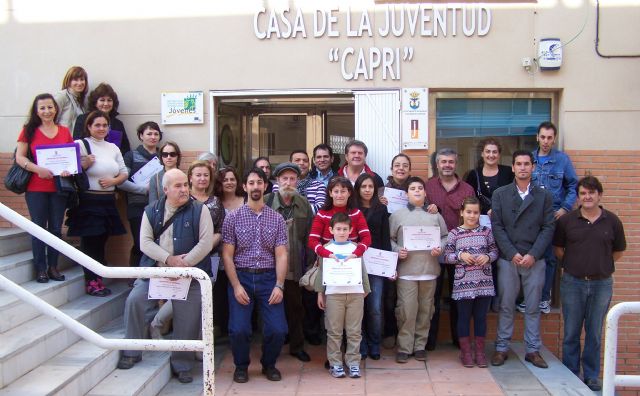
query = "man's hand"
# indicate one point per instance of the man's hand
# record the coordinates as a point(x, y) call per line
point(276, 296)
point(321, 301)
point(559, 213)
point(433, 209)
point(435, 252)
point(517, 259)
point(384, 200)
point(468, 258)
point(178, 261)
point(528, 260)
point(241, 295)
point(403, 253)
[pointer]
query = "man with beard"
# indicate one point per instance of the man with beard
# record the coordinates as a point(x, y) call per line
point(298, 215)
point(175, 232)
point(447, 191)
point(254, 253)
point(311, 189)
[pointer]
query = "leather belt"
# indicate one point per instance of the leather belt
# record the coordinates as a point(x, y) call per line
point(592, 277)
point(255, 270)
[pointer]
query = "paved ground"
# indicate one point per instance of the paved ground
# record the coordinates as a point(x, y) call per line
point(441, 375)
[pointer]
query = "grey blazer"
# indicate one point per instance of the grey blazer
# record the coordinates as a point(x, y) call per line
point(522, 226)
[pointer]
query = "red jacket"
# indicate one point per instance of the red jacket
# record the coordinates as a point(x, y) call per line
point(321, 235)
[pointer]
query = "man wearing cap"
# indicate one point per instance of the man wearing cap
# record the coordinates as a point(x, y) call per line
point(254, 253)
point(297, 214)
point(313, 190)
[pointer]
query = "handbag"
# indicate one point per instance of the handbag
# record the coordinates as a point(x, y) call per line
point(308, 280)
point(17, 177)
point(484, 200)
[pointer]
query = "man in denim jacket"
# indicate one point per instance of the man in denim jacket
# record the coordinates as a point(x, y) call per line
point(554, 172)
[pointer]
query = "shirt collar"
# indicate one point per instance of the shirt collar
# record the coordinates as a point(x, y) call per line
point(411, 207)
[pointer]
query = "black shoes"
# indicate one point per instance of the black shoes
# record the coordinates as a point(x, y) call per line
point(184, 377)
point(272, 373)
point(126, 362)
point(42, 277)
point(593, 384)
point(240, 375)
point(54, 274)
point(301, 356)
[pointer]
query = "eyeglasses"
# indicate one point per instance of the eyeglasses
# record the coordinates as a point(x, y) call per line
point(169, 154)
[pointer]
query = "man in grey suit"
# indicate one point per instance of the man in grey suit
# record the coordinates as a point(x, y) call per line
point(522, 222)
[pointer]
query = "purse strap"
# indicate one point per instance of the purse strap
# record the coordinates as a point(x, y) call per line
point(86, 146)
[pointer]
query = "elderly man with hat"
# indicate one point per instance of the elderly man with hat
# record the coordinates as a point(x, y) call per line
point(298, 215)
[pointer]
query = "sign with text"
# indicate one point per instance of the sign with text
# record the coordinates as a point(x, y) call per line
point(182, 108)
point(415, 118)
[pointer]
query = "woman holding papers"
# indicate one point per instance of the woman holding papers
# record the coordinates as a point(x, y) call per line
point(170, 156)
point(96, 218)
point(72, 99)
point(366, 193)
point(149, 135)
point(471, 248)
point(104, 98)
point(46, 206)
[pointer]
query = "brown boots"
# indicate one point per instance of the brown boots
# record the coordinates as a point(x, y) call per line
point(466, 352)
point(481, 358)
point(466, 356)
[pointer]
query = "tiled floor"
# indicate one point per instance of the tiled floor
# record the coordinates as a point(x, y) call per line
point(442, 375)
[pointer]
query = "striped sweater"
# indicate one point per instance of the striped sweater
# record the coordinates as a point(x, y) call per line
point(320, 234)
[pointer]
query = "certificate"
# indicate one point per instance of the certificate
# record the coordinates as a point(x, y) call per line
point(341, 272)
point(168, 289)
point(380, 262)
point(421, 237)
point(59, 158)
point(215, 264)
point(397, 199)
point(142, 177)
point(485, 221)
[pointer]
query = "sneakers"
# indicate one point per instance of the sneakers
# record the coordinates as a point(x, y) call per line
point(337, 372)
point(354, 371)
point(545, 306)
point(96, 288)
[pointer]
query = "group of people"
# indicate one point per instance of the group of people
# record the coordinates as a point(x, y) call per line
point(265, 231)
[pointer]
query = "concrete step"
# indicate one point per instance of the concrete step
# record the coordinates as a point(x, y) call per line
point(27, 346)
point(14, 312)
point(175, 388)
point(13, 240)
point(18, 267)
point(72, 372)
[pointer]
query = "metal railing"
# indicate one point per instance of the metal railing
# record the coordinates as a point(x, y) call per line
point(609, 377)
point(205, 345)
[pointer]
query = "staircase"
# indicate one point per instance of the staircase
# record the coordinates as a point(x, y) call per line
point(38, 356)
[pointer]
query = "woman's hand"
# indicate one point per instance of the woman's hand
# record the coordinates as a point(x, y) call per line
point(435, 252)
point(43, 173)
point(86, 161)
point(403, 253)
point(433, 209)
point(65, 174)
point(106, 182)
point(384, 200)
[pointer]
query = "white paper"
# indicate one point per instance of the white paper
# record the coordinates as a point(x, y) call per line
point(58, 159)
point(168, 289)
point(485, 221)
point(421, 237)
point(342, 272)
point(215, 264)
point(142, 177)
point(397, 199)
point(380, 262)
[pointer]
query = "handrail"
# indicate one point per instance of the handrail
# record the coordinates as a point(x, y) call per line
point(609, 377)
point(205, 345)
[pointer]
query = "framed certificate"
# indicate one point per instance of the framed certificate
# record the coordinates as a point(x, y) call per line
point(397, 199)
point(380, 262)
point(341, 272)
point(421, 237)
point(59, 158)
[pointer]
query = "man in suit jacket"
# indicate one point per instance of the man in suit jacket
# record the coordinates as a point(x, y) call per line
point(522, 222)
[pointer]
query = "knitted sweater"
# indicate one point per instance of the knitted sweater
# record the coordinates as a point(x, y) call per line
point(108, 163)
point(321, 235)
point(417, 262)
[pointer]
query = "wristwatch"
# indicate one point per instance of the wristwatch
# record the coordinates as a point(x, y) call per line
point(279, 286)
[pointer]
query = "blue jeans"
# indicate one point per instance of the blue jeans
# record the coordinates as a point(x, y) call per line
point(259, 288)
point(372, 323)
point(584, 303)
point(46, 210)
point(549, 273)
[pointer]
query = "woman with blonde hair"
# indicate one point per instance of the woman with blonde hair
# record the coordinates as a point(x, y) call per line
point(72, 99)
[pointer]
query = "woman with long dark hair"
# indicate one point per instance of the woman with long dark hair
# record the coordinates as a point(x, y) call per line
point(46, 206)
point(96, 218)
point(228, 189)
point(366, 194)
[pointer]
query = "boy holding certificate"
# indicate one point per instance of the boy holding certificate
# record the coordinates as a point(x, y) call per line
point(417, 271)
point(343, 305)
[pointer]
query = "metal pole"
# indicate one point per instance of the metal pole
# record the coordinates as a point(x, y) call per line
point(609, 377)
